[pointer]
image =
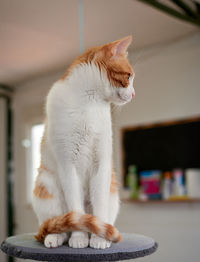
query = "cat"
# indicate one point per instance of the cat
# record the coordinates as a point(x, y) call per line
point(76, 193)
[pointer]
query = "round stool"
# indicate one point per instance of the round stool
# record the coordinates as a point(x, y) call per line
point(27, 247)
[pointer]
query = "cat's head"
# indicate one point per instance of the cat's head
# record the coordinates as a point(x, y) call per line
point(112, 59)
point(114, 67)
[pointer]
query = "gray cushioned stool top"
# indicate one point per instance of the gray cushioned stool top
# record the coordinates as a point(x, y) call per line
point(132, 246)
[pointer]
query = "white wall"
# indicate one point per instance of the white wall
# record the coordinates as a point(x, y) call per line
point(167, 87)
point(176, 228)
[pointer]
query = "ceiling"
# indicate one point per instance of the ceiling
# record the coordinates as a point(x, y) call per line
point(43, 36)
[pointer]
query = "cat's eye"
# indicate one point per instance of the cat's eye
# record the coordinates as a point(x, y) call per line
point(129, 75)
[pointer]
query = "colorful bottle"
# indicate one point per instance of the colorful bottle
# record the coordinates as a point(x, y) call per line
point(132, 181)
point(150, 183)
point(167, 185)
point(178, 185)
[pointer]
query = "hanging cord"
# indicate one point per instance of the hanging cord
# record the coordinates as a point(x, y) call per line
point(81, 25)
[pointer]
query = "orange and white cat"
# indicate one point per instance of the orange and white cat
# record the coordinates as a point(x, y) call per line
point(76, 195)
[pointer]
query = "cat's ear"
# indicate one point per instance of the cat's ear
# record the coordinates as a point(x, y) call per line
point(118, 47)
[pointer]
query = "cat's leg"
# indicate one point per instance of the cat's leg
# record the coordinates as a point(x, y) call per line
point(113, 200)
point(102, 212)
point(69, 144)
point(79, 239)
point(96, 241)
point(100, 190)
point(74, 198)
point(47, 203)
point(55, 240)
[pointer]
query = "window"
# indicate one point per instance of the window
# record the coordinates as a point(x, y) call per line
point(33, 156)
point(34, 133)
point(36, 136)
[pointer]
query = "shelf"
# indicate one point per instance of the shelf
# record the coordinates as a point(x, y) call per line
point(192, 200)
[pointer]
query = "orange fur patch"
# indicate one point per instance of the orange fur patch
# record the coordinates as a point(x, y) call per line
point(67, 223)
point(59, 224)
point(117, 68)
point(91, 223)
point(119, 239)
point(110, 232)
point(85, 58)
point(40, 191)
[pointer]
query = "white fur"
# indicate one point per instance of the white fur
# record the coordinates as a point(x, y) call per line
point(55, 240)
point(78, 151)
point(99, 242)
point(79, 240)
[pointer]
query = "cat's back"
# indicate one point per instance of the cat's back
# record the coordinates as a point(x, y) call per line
point(61, 94)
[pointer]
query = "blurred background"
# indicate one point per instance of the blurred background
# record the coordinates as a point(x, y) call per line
point(156, 137)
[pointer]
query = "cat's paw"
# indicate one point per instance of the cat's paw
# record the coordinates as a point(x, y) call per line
point(55, 240)
point(79, 240)
point(99, 242)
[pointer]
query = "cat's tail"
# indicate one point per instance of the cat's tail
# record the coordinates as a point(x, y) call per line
point(74, 221)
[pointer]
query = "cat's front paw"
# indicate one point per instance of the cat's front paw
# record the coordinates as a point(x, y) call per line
point(99, 242)
point(79, 240)
point(54, 240)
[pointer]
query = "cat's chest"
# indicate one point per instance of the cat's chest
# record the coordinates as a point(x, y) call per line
point(93, 130)
point(98, 120)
